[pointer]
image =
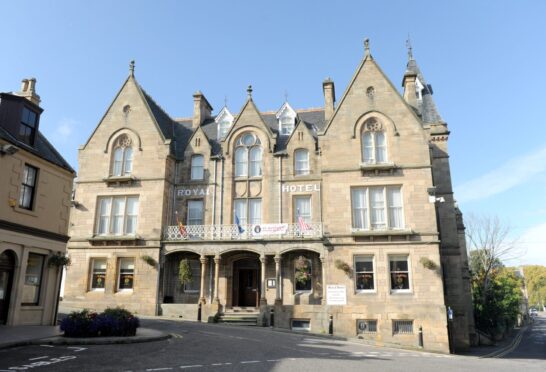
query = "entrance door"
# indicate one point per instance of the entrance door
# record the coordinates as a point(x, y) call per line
point(248, 287)
point(7, 263)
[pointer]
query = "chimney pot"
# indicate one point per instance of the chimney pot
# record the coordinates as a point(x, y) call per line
point(202, 109)
point(329, 98)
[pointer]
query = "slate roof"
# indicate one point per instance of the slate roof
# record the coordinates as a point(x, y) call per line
point(426, 108)
point(42, 148)
point(313, 119)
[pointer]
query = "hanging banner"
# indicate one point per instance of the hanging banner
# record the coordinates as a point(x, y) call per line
point(267, 229)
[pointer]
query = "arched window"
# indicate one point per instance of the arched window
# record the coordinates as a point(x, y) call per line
point(248, 156)
point(122, 164)
point(301, 162)
point(374, 143)
point(197, 167)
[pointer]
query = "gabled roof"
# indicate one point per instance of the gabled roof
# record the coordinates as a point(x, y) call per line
point(426, 106)
point(285, 108)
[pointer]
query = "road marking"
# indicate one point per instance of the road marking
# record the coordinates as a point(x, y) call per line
point(250, 361)
point(273, 360)
point(158, 369)
point(192, 366)
point(77, 349)
point(42, 357)
point(176, 335)
point(46, 345)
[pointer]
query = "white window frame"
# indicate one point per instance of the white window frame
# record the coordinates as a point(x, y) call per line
point(92, 273)
point(307, 217)
point(243, 164)
point(301, 168)
point(366, 258)
point(375, 147)
point(286, 124)
point(197, 172)
point(110, 216)
point(123, 166)
point(388, 208)
point(400, 257)
point(120, 259)
point(195, 202)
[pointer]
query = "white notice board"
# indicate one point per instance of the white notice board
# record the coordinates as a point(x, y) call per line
point(336, 294)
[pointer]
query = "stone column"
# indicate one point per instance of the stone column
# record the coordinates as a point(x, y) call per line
point(263, 301)
point(278, 279)
point(323, 279)
point(217, 260)
point(203, 260)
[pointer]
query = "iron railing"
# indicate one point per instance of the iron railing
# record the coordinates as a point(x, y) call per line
point(243, 232)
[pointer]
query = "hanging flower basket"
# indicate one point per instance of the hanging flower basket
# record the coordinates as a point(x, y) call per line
point(303, 270)
point(184, 272)
point(59, 260)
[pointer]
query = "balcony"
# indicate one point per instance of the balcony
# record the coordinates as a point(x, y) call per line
point(284, 231)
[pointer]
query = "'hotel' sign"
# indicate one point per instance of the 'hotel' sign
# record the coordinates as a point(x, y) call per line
point(312, 187)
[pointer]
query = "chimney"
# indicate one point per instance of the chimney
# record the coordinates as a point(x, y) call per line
point(202, 109)
point(329, 98)
point(410, 90)
point(28, 90)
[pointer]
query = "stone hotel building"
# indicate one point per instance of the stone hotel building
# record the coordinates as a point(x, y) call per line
point(339, 218)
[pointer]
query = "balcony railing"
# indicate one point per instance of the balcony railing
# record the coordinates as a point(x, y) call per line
point(243, 232)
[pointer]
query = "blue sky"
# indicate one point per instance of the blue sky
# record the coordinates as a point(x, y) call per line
point(485, 61)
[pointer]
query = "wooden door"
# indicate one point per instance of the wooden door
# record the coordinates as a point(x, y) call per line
point(248, 287)
point(7, 264)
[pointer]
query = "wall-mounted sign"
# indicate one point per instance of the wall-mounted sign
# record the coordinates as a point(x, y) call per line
point(266, 229)
point(309, 187)
point(193, 191)
point(271, 283)
point(336, 294)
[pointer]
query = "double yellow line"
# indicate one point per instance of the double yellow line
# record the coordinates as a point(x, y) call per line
point(507, 349)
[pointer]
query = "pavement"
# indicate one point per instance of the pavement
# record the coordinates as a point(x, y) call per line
point(12, 336)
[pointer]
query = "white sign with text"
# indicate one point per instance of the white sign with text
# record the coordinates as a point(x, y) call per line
point(336, 294)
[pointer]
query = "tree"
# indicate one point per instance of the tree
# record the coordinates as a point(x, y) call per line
point(535, 281)
point(496, 290)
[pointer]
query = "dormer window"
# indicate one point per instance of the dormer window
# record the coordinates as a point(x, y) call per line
point(287, 119)
point(27, 129)
point(224, 120)
point(122, 164)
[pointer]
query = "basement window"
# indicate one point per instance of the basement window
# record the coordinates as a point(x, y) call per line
point(366, 326)
point(402, 327)
point(300, 325)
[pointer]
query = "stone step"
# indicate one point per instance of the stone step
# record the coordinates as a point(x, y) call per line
point(239, 319)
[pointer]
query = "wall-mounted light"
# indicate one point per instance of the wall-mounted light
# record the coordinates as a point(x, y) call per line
point(8, 149)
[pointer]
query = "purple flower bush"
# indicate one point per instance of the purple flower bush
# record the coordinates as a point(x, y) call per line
point(111, 322)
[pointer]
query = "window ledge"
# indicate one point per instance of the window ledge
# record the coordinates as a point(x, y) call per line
point(114, 240)
point(378, 167)
point(129, 179)
point(392, 232)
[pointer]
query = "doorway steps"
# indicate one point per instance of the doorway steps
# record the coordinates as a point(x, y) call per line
point(241, 316)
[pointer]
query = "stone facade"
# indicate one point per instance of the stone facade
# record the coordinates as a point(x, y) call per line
point(35, 189)
point(279, 213)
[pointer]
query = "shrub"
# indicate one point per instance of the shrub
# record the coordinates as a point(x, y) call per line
point(111, 322)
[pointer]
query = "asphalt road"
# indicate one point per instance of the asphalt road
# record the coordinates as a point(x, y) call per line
point(532, 345)
point(208, 347)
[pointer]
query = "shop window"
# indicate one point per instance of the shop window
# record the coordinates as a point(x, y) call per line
point(33, 279)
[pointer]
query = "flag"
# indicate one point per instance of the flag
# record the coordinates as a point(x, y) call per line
point(303, 226)
point(238, 223)
point(181, 227)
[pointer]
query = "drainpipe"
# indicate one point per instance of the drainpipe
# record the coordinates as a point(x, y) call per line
point(214, 193)
point(280, 189)
point(222, 194)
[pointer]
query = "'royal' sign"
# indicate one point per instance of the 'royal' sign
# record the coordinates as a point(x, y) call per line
point(194, 191)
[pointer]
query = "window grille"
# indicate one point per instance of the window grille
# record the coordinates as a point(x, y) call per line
point(366, 326)
point(402, 327)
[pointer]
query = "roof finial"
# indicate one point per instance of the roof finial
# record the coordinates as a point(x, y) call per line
point(225, 101)
point(249, 91)
point(132, 68)
point(285, 95)
point(367, 46)
point(410, 49)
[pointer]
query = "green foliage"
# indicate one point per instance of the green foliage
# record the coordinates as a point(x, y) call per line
point(428, 263)
point(343, 266)
point(149, 260)
point(496, 306)
point(59, 260)
point(303, 270)
point(535, 281)
point(184, 272)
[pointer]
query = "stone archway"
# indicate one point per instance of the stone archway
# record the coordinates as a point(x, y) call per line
point(7, 268)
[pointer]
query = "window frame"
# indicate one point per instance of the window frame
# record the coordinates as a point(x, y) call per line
point(119, 274)
point(242, 157)
point(247, 218)
point(305, 170)
point(365, 258)
point(110, 216)
point(37, 282)
point(123, 144)
point(92, 273)
point(32, 187)
point(29, 128)
point(188, 219)
point(387, 209)
point(400, 257)
point(196, 279)
point(375, 147)
point(197, 167)
point(307, 218)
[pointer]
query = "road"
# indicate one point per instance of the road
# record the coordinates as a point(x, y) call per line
point(532, 344)
point(210, 347)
